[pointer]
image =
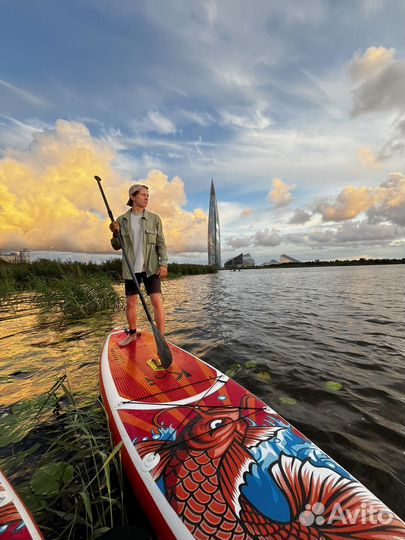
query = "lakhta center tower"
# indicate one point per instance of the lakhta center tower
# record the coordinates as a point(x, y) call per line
point(214, 235)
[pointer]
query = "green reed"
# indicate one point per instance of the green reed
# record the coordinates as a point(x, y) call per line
point(25, 273)
point(73, 289)
point(73, 475)
point(8, 284)
point(176, 269)
point(76, 297)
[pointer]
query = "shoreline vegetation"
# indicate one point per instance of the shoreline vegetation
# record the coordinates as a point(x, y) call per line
point(58, 452)
point(73, 289)
point(76, 290)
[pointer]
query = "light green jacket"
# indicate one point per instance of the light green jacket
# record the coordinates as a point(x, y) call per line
point(154, 245)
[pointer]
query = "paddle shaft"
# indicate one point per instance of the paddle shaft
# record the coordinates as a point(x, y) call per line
point(164, 352)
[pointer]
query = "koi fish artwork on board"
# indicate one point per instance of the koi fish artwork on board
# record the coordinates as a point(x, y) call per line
point(212, 473)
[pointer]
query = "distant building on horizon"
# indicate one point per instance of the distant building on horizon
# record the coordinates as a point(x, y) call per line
point(16, 257)
point(214, 234)
point(243, 260)
point(287, 259)
point(271, 263)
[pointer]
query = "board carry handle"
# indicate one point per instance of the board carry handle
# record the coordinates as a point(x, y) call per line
point(163, 350)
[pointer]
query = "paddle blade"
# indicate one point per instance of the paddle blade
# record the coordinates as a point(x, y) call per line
point(163, 350)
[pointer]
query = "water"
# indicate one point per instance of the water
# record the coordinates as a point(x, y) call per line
point(303, 326)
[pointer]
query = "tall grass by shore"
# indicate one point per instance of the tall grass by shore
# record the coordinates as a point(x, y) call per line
point(25, 273)
point(76, 298)
point(73, 289)
point(70, 475)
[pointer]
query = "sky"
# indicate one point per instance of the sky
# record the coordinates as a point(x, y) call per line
point(295, 109)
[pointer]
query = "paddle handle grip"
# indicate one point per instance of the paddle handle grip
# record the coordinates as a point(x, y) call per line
point(110, 214)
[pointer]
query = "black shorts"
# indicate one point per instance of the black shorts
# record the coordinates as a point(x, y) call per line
point(152, 284)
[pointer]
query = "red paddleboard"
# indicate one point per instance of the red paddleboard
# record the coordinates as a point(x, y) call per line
point(210, 461)
point(16, 522)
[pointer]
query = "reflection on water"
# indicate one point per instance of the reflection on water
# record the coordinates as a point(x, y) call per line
point(303, 326)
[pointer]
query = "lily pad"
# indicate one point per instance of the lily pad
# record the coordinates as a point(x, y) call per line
point(333, 386)
point(233, 370)
point(250, 364)
point(288, 400)
point(33, 502)
point(49, 479)
point(264, 376)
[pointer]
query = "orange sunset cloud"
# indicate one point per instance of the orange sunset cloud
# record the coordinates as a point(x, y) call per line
point(49, 199)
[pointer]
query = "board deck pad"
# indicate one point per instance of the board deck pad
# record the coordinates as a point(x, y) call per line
point(137, 380)
point(229, 465)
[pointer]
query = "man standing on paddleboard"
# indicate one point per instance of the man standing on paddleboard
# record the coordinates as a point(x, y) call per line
point(144, 244)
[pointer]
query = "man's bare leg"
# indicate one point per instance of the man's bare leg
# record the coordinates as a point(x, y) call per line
point(159, 311)
point(132, 302)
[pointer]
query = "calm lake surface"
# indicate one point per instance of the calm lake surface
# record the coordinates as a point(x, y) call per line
point(304, 328)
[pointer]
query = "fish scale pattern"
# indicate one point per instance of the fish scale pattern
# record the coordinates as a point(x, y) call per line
point(192, 486)
point(263, 529)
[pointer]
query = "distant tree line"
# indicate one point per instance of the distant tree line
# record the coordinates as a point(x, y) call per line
point(357, 262)
point(349, 262)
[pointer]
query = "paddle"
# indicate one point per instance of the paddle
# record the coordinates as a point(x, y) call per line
point(163, 350)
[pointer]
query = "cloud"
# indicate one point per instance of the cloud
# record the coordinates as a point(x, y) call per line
point(202, 119)
point(48, 194)
point(238, 241)
point(212, 11)
point(267, 238)
point(255, 121)
point(395, 144)
point(378, 81)
point(348, 204)
point(322, 236)
point(360, 233)
point(263, 238)
point(280, 194)
point(367, 157)
point(184, 231)
point(297, 239)
point(301, 215)
point(155, 122)
point(392, 203)
point(16, 134)
point(23, 94)
point(49, 199)
point(384, 202)
point(230, 213)
point(247, 212)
